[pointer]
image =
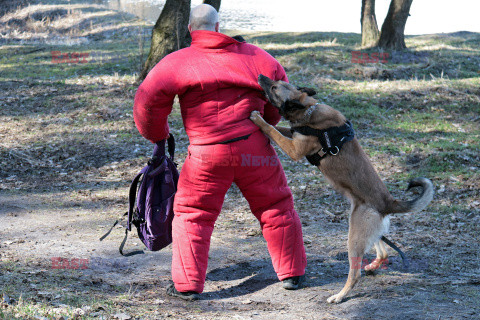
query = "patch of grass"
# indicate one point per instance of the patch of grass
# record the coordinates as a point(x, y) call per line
point(54, 293)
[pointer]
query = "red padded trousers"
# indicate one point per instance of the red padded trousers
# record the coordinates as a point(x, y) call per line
point(206, 175)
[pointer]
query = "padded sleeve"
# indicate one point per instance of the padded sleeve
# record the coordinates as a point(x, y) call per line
point(153, 102)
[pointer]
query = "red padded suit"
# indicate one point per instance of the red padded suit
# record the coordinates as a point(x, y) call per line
point(216, 82)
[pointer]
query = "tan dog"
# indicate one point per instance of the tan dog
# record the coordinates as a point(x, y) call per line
point(347, 168)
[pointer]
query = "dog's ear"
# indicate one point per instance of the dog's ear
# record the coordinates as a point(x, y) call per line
point(308, 91)
point(291, 105)
point(239, 38)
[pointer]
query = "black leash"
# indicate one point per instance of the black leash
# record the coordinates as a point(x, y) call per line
point(406, 263)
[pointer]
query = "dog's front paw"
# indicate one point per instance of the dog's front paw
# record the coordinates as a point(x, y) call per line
point(335, 298)
point(256, 117)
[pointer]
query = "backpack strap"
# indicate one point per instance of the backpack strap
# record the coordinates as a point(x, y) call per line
point(111, 228)
point(132, 195)
point(171, 146)
point(120, 249)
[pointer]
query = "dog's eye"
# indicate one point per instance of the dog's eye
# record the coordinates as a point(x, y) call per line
point(274, 87)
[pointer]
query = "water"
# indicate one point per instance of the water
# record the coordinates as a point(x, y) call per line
point(319, 15)
point(253, 15)
point(235, 16)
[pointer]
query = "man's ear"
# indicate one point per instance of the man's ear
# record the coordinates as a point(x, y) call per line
point(308, 91)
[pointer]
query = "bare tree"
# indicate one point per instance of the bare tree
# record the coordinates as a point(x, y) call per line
point(392, 35)
point(368, 20)
point(169, 33)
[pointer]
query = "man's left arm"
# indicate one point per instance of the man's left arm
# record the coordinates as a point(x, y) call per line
point(154, 101)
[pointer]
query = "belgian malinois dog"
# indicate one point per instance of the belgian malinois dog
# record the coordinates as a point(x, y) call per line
point(345, 165)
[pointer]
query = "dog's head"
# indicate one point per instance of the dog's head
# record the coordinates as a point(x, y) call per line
point(285, 96)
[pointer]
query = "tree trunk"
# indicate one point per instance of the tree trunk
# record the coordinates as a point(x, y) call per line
point(169, 33)
point(368, 20)
point(392, 35)
point(213, 3)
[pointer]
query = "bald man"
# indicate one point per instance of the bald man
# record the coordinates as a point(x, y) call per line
point(216, 82)
point(202, 17)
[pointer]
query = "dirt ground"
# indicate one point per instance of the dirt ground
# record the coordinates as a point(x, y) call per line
point(241, 283)
point(68, 150)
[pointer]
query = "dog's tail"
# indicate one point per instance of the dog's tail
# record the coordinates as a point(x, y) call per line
point(417, 204)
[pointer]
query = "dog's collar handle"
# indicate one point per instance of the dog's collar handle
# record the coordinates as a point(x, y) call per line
point(331, 140)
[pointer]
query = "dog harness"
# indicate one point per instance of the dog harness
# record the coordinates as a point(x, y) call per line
point(331, 140)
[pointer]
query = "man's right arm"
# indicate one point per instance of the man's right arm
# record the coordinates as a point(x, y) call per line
point(153, 102)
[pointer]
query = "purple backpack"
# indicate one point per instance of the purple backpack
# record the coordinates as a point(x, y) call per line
point(151, 207)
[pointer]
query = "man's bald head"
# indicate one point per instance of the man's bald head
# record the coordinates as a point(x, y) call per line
point(203, 17)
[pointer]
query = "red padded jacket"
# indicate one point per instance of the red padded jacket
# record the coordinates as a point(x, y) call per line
point(216, 82)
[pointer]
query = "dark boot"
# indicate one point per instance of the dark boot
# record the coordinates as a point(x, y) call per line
point(293, 283)
point(189, 296)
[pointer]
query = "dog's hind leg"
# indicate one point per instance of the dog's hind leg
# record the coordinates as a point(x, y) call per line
point(381, 249)
point(365, 228)
point(381, 259)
